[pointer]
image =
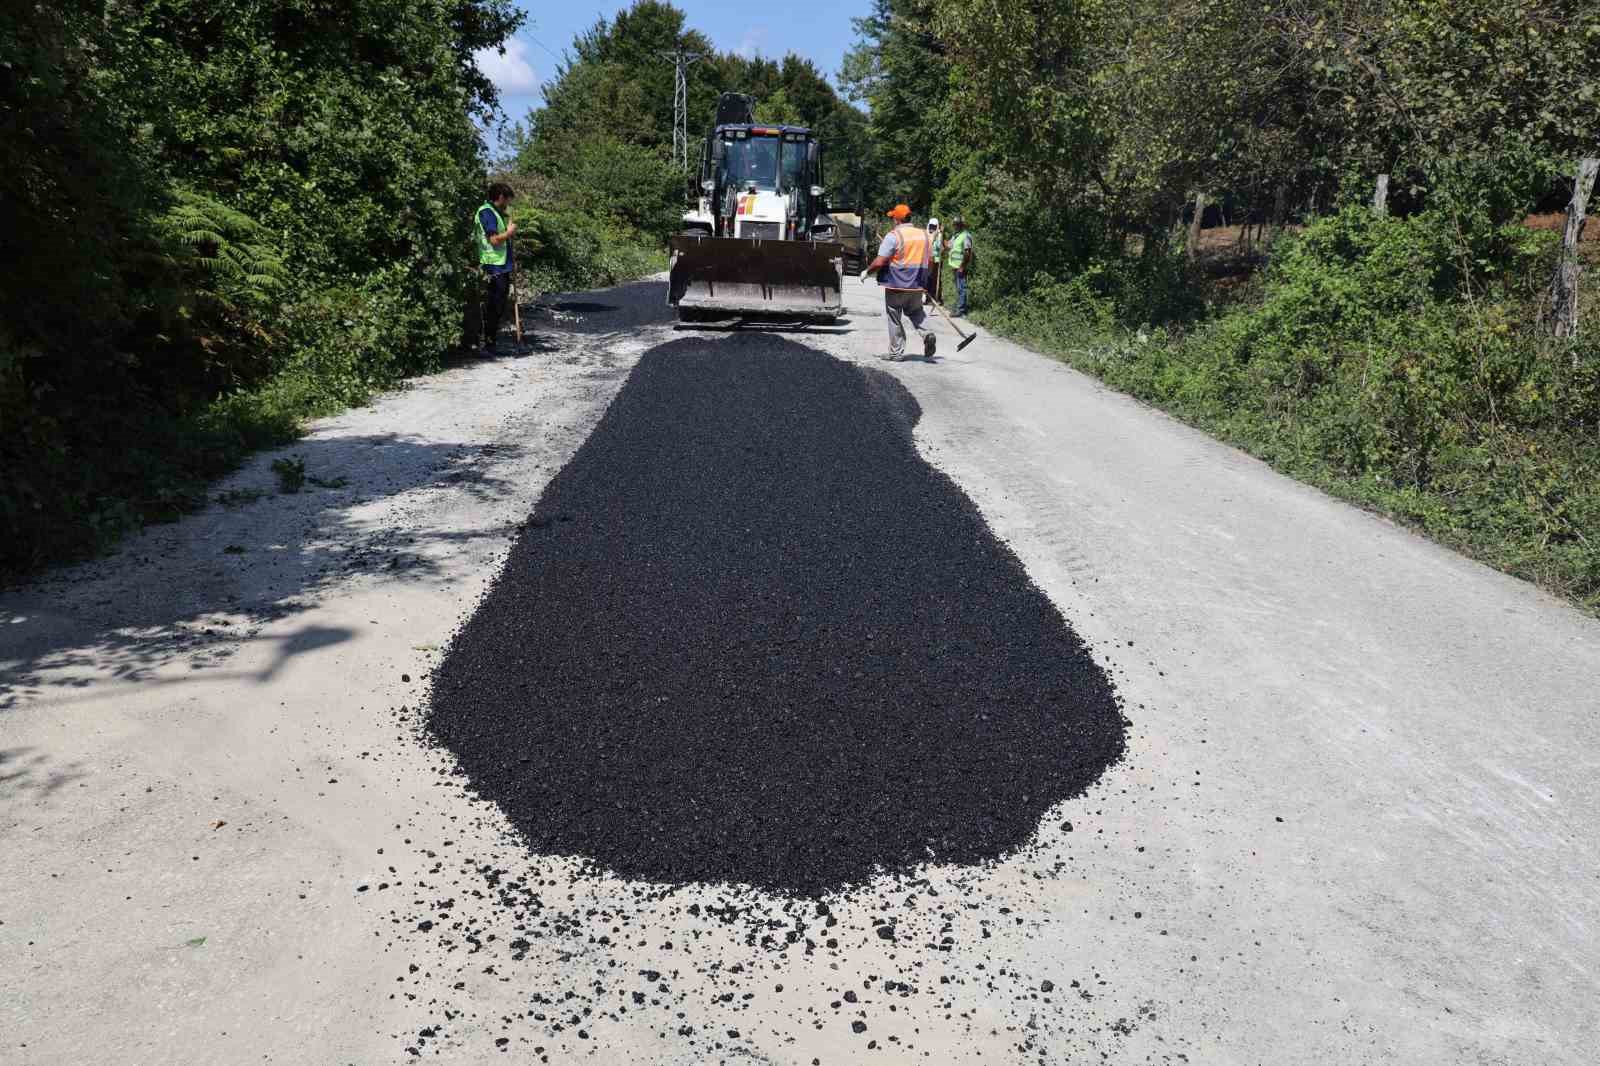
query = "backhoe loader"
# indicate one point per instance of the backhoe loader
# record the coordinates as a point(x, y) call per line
point(759, 241)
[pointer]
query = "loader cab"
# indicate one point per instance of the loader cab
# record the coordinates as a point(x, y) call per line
point(767, 158)
point(764, 179)
point(750, 161)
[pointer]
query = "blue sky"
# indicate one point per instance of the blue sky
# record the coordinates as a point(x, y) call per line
point(818, 29)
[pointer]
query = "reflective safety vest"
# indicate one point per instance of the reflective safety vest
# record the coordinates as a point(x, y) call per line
point(489, 254)
point(957, 251)
point(909, 269)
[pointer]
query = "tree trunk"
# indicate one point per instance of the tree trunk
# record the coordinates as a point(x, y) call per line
point(1380, 196)
point(1195, 224)
point(1564, 285)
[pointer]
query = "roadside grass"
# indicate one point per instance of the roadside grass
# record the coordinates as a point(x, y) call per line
point(1348, 367)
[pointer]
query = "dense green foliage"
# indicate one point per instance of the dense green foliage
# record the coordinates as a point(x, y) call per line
point(219, 217)
point(1394, 359)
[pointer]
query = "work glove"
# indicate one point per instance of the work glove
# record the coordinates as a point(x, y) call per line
point(866, 275)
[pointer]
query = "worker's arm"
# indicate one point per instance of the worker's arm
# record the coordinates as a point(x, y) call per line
point(887, 249)
point(497, 238)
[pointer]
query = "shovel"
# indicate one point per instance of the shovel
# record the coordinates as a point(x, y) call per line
point(966, 338)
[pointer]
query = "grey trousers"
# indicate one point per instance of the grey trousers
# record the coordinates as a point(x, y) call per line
point(897, 304)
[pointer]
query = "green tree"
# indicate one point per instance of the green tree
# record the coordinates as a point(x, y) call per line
point(1416, 80)
point(619, 83)
point(203, 198)
point(776, 109)
point(899, 68)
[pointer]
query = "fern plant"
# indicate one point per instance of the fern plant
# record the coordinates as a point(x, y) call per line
point(226, 257)
point(210, 281)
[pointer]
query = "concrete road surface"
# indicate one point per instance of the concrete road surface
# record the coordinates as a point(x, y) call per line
point(1358, 820)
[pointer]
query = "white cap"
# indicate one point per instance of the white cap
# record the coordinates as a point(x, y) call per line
point(932, 222)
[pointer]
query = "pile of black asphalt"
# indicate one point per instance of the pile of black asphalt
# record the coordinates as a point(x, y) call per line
point(749, 635)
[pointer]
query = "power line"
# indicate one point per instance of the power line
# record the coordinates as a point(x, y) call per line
point(551, 54)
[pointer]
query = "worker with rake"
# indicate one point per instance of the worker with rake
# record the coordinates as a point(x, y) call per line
point(903, 269)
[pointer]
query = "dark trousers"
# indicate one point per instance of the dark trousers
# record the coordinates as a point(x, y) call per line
point(498, 288)
point(935, 284)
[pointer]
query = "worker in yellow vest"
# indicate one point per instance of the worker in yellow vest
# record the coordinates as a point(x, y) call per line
point(902, 267)
point(495, 259)
point(960, 258)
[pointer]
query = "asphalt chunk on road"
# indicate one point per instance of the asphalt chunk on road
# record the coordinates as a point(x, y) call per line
point(751, 636)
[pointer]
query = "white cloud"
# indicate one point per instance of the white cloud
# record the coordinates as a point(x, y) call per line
point(511, 72)
point(750, 44)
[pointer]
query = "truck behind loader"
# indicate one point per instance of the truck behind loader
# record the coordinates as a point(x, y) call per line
point(759, 240)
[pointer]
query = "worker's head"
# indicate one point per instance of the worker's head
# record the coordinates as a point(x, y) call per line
point(958, 223)
point(900, 213)
point(933, 225)
point(501, 194)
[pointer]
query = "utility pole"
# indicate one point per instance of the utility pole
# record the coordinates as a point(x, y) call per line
point(681, 62)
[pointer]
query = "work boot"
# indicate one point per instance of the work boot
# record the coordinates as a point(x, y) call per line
point(893, 357)
point(930, 344)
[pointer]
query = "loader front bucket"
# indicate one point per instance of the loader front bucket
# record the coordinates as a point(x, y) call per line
point(745, 275)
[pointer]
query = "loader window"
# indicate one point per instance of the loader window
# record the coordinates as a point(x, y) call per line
point(794, 164)
point(752, 161)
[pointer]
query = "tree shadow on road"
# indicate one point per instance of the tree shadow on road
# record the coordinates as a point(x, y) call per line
point(195, 592)
point(28, 773)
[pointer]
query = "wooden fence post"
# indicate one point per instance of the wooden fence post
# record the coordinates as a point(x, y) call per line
point(1380, 196)
point(1194, 225)
point(1564, 285)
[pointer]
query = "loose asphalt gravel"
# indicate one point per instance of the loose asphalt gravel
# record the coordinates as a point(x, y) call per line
point(749, 635)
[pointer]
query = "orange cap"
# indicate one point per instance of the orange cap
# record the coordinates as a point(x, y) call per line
point(900, 213)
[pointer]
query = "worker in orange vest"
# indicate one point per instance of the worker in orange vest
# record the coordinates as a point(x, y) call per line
point(902, 267)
